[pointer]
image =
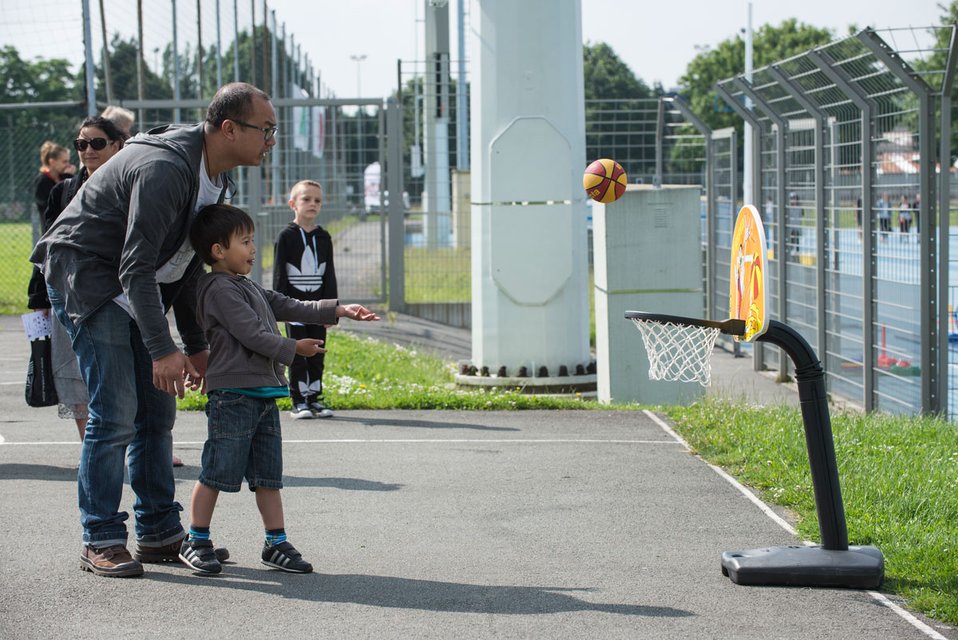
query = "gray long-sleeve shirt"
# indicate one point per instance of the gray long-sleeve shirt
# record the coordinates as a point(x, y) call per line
point(239, 317)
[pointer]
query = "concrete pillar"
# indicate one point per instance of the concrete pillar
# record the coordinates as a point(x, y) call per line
point(529, 247)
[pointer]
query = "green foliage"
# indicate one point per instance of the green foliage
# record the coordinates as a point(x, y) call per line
point(899, 477)
point(14, 253)
point(25, 130)
point(607, 77)
point(727, 59)
point(937, 62)
point(617, 111)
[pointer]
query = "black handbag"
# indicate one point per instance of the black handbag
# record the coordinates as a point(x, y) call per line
point(40, 391)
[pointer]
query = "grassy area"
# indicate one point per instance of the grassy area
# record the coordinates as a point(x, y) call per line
point(15, 267)
point(899, 474)
point(899, 480)
point(363, 373)
point(438, 275)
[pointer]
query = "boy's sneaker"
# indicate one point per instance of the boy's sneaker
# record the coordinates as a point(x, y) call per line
point(113, 561)
point(170, 553)
point(300, 412)
point(199, 556)
point(320, 410)
point(285, 557)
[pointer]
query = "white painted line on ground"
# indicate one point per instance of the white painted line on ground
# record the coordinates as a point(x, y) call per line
point(745, 491)
point(918, 624)
point(904, 615)
point(10, 384)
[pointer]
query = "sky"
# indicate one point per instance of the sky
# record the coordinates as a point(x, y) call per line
point(655, 39)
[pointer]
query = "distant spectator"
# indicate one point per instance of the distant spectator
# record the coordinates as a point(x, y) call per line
point(54, 166)
point(904, 215)
point(884, 213)
point(122, 118)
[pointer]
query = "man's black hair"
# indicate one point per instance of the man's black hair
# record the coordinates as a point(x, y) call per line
point(233, 101)
point(217, 224)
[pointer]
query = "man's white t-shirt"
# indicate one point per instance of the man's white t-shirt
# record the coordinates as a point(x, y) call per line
point(175, 267)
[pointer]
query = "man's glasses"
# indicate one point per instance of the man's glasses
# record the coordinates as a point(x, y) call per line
point(98, 144)
point(268, 132)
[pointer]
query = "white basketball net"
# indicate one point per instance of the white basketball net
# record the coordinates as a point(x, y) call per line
point(680, 352)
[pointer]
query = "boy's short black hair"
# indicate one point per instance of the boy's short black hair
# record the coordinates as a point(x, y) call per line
point(216, 224)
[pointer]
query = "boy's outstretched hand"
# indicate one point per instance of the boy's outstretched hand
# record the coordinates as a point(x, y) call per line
point(309, 347)
point(355, 312)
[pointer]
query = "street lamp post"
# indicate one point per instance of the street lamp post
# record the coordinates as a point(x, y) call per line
point(358, 58)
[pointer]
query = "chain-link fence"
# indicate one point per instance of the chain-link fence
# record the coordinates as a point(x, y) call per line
point(850, 178)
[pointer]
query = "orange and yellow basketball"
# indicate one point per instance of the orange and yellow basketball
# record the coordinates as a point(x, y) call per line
point(604, 180)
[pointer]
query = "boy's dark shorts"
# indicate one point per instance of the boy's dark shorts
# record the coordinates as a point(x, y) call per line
point(243, 440)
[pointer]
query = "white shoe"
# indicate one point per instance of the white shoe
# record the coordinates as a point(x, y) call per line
point(300, 412)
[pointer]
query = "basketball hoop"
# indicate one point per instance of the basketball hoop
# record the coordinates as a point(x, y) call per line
point(680, 349)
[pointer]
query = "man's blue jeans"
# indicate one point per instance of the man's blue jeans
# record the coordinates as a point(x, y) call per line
point(129, 418)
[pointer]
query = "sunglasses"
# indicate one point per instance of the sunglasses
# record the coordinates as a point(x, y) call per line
point(98, 144)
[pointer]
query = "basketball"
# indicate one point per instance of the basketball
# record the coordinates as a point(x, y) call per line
point(604, 180)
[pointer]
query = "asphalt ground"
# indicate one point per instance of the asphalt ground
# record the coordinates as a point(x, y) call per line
point(426, 524)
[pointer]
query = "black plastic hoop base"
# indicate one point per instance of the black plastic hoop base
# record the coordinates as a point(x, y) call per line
point(799, 566)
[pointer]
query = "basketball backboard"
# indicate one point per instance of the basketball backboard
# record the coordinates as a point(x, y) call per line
point(747, 278)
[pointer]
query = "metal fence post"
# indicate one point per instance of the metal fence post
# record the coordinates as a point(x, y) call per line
point(931, 401)
point(394, 181)
point(819, 181)
point(781, 128)
point(758, 131)
point(867, 107)
point(706, 132)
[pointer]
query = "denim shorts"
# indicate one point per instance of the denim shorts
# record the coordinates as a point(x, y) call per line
point(243, 440)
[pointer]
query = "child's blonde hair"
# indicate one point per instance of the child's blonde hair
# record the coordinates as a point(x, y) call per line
point(303, 183)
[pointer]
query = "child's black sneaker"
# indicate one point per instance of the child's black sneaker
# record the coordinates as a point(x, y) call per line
point(320, 410)
point(300, 412)
point(199, 556)
point(285, 557)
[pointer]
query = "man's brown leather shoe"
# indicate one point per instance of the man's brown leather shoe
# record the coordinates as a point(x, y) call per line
point(170, 553)
point(113, 561)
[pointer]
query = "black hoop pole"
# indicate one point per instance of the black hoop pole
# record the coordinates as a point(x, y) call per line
point(810, 377)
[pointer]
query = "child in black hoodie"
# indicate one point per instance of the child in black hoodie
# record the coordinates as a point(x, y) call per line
point(304, 270)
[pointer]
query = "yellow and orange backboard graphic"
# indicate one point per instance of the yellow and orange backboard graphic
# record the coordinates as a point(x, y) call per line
point(747, 276)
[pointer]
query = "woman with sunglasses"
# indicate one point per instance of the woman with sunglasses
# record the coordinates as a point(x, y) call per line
point(98, 141)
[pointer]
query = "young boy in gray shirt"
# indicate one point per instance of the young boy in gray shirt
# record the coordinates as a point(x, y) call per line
point(243, 380)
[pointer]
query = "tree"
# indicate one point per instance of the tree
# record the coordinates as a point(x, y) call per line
point(617, 110)
point(936, 63)
point(24, 130)
point(727, 59)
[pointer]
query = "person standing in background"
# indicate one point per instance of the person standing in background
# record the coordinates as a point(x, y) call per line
point(98, 140)
point(303, 270)
point(54, 166)
point(122, 118)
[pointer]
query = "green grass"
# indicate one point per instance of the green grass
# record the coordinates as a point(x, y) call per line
point(899, 481)
point(15, 267)
point(362, 373)
point(438, 275)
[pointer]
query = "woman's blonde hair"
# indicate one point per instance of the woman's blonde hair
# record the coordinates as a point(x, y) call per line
point(49, 151)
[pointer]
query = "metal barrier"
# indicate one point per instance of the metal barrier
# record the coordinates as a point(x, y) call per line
point(843, 129)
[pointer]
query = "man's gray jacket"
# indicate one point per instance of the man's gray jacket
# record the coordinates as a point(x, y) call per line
point(129, 218)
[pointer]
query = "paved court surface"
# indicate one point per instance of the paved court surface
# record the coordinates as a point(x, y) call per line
point(424, 524)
